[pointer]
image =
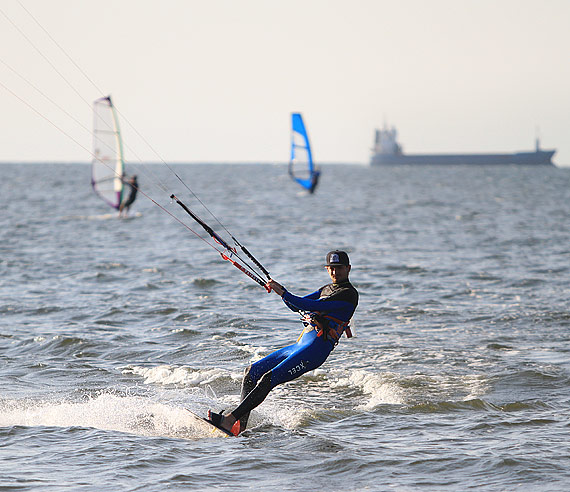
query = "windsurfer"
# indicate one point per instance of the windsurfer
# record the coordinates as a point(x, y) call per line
point(326, 315)
point(314, 181)
point(126, 204)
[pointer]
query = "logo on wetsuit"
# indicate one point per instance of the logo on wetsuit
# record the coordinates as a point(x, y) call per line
point(297, 368)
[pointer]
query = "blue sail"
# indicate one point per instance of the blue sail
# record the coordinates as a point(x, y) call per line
point(301, 166)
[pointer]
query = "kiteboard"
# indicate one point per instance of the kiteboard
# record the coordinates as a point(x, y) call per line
point(209, 426)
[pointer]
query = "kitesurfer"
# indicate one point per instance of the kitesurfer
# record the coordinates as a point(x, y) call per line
point(326, 315)
point(126, 204)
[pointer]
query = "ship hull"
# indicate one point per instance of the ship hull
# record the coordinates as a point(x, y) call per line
point(540, 158)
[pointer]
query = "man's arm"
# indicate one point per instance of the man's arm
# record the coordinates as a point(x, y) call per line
point(280, 290)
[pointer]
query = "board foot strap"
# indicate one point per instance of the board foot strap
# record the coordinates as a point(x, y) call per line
point(216, 422)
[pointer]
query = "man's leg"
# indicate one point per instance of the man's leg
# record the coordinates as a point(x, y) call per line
point(301, 359)
point(247, 385)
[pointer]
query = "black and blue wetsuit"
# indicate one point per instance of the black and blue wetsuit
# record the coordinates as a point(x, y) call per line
point(331, 307)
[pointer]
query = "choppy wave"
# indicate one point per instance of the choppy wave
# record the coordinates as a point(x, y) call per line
point(141, 415)
point(458, 376)
point(129, 414)
point(186, 376)
point(378, 388)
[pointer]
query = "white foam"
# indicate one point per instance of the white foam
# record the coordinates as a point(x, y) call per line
point(378, 389)
point(131, 414)
point(276, 413)
point(257, 353)
point(477, 386)
point(183, 375)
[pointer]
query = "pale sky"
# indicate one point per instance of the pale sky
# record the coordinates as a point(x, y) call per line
point(216, 80)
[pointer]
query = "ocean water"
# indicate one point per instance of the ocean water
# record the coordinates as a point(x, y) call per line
point(458, 377)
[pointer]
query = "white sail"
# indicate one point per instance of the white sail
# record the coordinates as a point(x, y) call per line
point(107, 169)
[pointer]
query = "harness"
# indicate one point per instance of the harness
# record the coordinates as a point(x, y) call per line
point(328, 327)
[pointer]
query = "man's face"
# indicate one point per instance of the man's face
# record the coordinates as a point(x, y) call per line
point(338, 273)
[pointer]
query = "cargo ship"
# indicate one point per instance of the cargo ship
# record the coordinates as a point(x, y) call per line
point(387, 151)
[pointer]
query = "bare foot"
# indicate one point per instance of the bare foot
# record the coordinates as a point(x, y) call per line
point(228, 421)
